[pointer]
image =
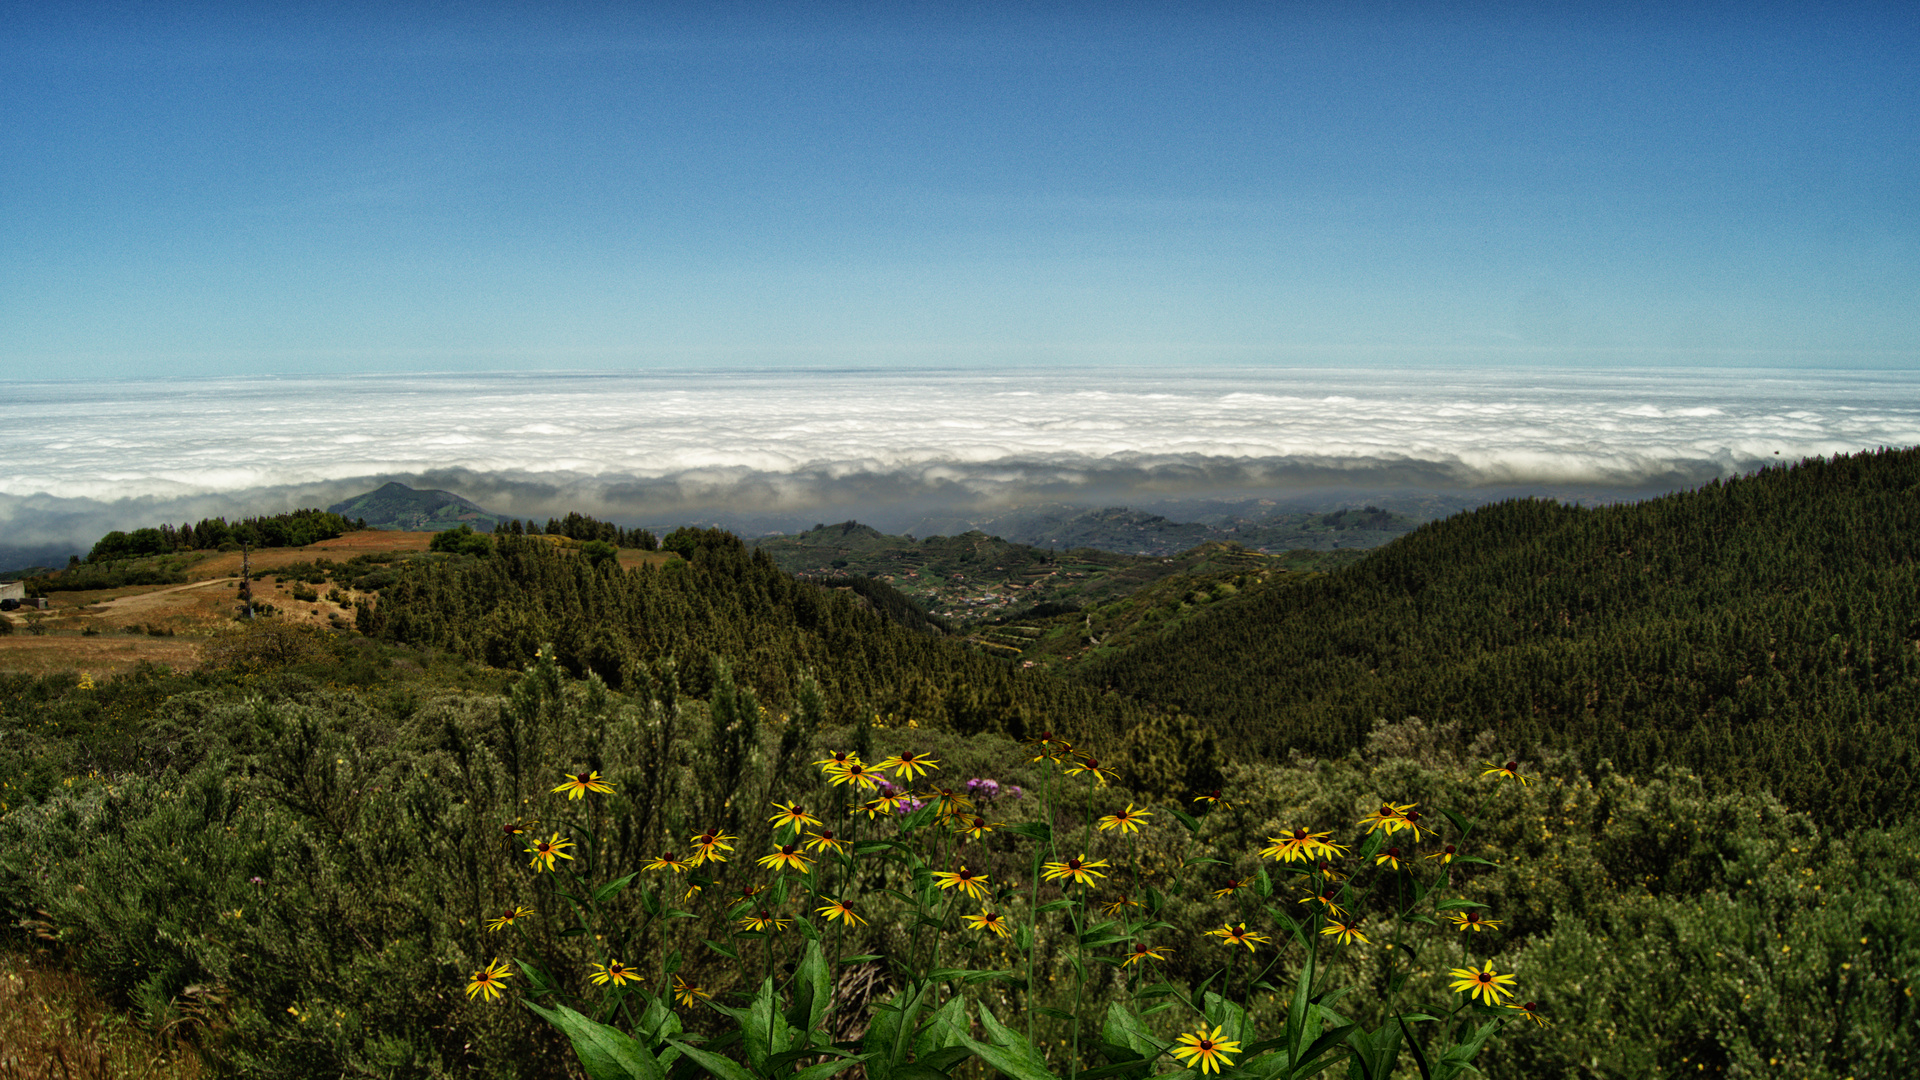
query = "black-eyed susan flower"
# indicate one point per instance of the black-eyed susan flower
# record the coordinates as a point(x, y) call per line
point(878, 805)
point(686, 992)
point(1088, 766)
point(1445, 854)
point(578, 784)
point(1143, 951)
point(544, 852)
point(764, 920)
point(1345, 932)
point(990, 921)
point(1119, 905)
point(837, 909)
point(490, 981)
point(1472, 920)
point(1509, 771)
point(1389, 857)
point(967, 880)
point(748, 892)
point(825, 840)
point(791, 816)
point(908, 766)
point(1127, 821)
point(975, 827)
point(1082, 870)
point(1388, 817)
point(1410, 819)
point(615, 972)
point(1204, 1050)
point(508, 918)
point(1211, 798)
point(1230, 935)
point(837, 760)
point(1300, 845)
point(1531, 1012)
point(667, 860)
point(787, 857)
point(1232, 886)
point(859, 775)
point(708, 845)
point(953, 803)
point(514, 828)
point(1486, 984)
point(1326, 898)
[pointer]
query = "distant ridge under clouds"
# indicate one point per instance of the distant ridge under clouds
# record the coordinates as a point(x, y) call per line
point(891, 447)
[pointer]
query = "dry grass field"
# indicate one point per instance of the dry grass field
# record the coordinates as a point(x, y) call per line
point(53, 1028)
point(164, 624)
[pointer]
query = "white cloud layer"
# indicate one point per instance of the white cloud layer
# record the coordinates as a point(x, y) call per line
point(77, 459)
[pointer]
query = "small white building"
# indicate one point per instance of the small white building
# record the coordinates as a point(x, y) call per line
point(13, 590)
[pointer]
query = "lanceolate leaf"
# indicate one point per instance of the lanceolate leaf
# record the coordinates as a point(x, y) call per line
point(605, 1053)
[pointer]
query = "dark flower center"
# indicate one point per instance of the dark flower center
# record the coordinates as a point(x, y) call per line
point(1512, 765)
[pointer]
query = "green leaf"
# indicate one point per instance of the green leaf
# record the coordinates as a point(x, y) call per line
point(1262, 884)
point(765, 1030)
point(612, 888)
point(812, 989)
point(1032, 830)
point(861, 959)
point(1474, 859)
point(1124, 1031)
point(649, 900)
point(604, 1053)
point(1449, 905)
point(723, 950)
point(1226, 1015)
point(1192, 823)
point(806, 928)
point(1010, 1053)
point(1057, 1014)
point(1463, 824)
point(943, 1034)
point(722, 1067)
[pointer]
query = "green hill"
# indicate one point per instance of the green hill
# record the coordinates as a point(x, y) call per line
point(397, 506)
point(1765, 630)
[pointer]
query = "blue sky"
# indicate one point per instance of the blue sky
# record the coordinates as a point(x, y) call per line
point(218, 189)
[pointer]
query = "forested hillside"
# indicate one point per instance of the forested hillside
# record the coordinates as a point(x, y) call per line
point(1764, 630)
point(725, 602)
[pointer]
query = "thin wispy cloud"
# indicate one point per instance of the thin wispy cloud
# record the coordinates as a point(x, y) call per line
point(661, 447)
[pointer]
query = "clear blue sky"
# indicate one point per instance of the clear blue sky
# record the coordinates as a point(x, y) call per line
point(211, 189)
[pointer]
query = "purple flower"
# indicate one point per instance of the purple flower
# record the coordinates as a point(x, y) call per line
point(909, 806)
point(1016, 792)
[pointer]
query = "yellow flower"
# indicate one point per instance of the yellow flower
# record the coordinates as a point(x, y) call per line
point(857, 774)
point(791, 817)
point(764, 920)
point(578, 784)
point(788, 857)
point(490, 981)
point(507, 917)
point(991, 920)
point(1082, 870)
point(1445, 855)
point(881, 804)
point(1206, 1052)
point(1390, 817)
point(669, 861)
point(836, 761)
point(1300, 845)
point(707, 846)
point(1471, 920)
point(1509, 771)
point(1127, 821)
point(1485, 984)
point(1390, 857)
point(837, 909)
point(824, 840)
point(1346, 933)
point(1531, 1012)
point(1093, 768)
point(975, 827)
point(1143, 951)
point(1232, 886)
point(951, 801)
point(615, 972)
point(544, 852)
point(1119, 905)
point(908, 766)
point(686, 992)
point(1211, 798)
point(1325, 898)
point(971, 882)
point(1239, 935)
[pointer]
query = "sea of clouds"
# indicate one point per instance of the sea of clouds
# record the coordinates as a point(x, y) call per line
point(78, 459)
